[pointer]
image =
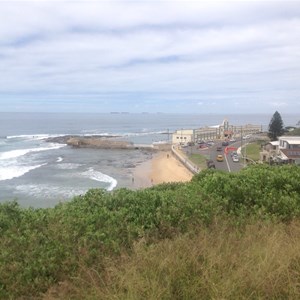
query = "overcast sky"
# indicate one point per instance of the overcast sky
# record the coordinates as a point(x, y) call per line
point(150, 56)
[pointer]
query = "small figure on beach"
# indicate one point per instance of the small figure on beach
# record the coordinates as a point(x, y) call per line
point(151, 180)
point(168, 155)
point(132, 179)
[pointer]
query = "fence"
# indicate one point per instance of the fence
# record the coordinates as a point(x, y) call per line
point(189, 165)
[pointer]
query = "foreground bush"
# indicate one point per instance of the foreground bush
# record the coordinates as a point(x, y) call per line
point(259, 261)
point(41, 247)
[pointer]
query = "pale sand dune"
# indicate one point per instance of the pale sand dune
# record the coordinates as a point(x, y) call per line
point(163, 167)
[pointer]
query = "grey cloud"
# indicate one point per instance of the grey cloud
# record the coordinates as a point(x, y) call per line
point(152, 50)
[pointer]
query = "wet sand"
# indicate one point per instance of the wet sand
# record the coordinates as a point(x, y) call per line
point(163, 167)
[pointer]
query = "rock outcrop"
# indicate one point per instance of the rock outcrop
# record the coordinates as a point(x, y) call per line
point(101, 143)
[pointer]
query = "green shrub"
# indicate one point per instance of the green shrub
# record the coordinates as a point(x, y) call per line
point(40, 247)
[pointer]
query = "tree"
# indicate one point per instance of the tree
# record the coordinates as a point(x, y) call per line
point(276, 127)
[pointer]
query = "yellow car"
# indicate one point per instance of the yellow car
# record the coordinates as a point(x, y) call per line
point(220, 157)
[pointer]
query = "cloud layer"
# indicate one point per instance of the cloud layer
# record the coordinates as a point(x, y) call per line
point(173, 56)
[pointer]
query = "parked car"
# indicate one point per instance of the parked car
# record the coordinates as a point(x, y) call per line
point(202, 146)
point(225, 143)
point(219, 148)
point(220, 157)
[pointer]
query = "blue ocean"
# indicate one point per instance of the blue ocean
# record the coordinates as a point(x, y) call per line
point(38, 173)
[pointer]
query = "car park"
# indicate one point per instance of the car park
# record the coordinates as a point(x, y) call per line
point(220, 157)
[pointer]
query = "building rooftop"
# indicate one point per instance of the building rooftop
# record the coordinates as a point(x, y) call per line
point(292, 140)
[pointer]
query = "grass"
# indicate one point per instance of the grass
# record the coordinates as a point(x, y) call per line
point(258, 261)
point(252, 150)
point(221, 236)
point(199, 160)
point(294, 132)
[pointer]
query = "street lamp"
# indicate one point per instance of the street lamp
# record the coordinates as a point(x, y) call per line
point(245, 154)
point(181, 137)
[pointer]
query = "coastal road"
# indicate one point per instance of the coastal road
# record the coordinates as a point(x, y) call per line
point(211, 153)
point(227, 164)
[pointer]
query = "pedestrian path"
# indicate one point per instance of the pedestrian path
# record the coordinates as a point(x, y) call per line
point(189, 165)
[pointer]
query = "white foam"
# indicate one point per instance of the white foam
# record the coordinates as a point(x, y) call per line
point(59, 159)
point(10, 172)
point(34, 136)
point(68, 166)
point(98, 176)
point(124, 134)
point(144, 133)
point(100, 134)
point(22, 152)
point(48, 191)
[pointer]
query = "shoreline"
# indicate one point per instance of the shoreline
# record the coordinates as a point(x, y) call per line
point(104, 142)
point(163, 167)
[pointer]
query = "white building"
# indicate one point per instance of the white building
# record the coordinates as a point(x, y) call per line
point(183, 136)
point(223, 131)
point(289, 148)
point(286, 149)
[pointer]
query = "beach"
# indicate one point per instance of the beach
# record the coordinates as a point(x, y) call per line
point(162, 168)
point(41, 167)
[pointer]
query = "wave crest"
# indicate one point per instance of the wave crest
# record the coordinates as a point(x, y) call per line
point(98, 176)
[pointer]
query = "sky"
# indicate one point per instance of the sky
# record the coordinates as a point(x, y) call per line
point(150, 56)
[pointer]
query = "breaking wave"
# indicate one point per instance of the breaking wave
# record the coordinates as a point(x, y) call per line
point(98, 176)
point(21, 152)
point(10, 172)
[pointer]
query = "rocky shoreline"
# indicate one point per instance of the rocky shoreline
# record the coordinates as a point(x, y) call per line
point(98, 142)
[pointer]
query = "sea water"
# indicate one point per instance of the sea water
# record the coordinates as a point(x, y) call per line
point(41, 174)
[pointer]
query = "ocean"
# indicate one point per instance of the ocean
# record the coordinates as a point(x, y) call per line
point(38, 173)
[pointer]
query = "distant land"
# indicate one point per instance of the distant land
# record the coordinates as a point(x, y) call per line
point(143, 112)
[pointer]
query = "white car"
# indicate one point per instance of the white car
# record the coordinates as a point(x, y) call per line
point(246, 137)
point(235, 158)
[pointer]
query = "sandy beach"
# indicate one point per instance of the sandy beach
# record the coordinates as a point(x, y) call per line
point(163, 167)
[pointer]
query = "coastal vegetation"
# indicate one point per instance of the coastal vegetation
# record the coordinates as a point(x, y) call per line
point(198, 159)
point(221, 235)
point(253, 149)
point(295, 132)
point(276, 127)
